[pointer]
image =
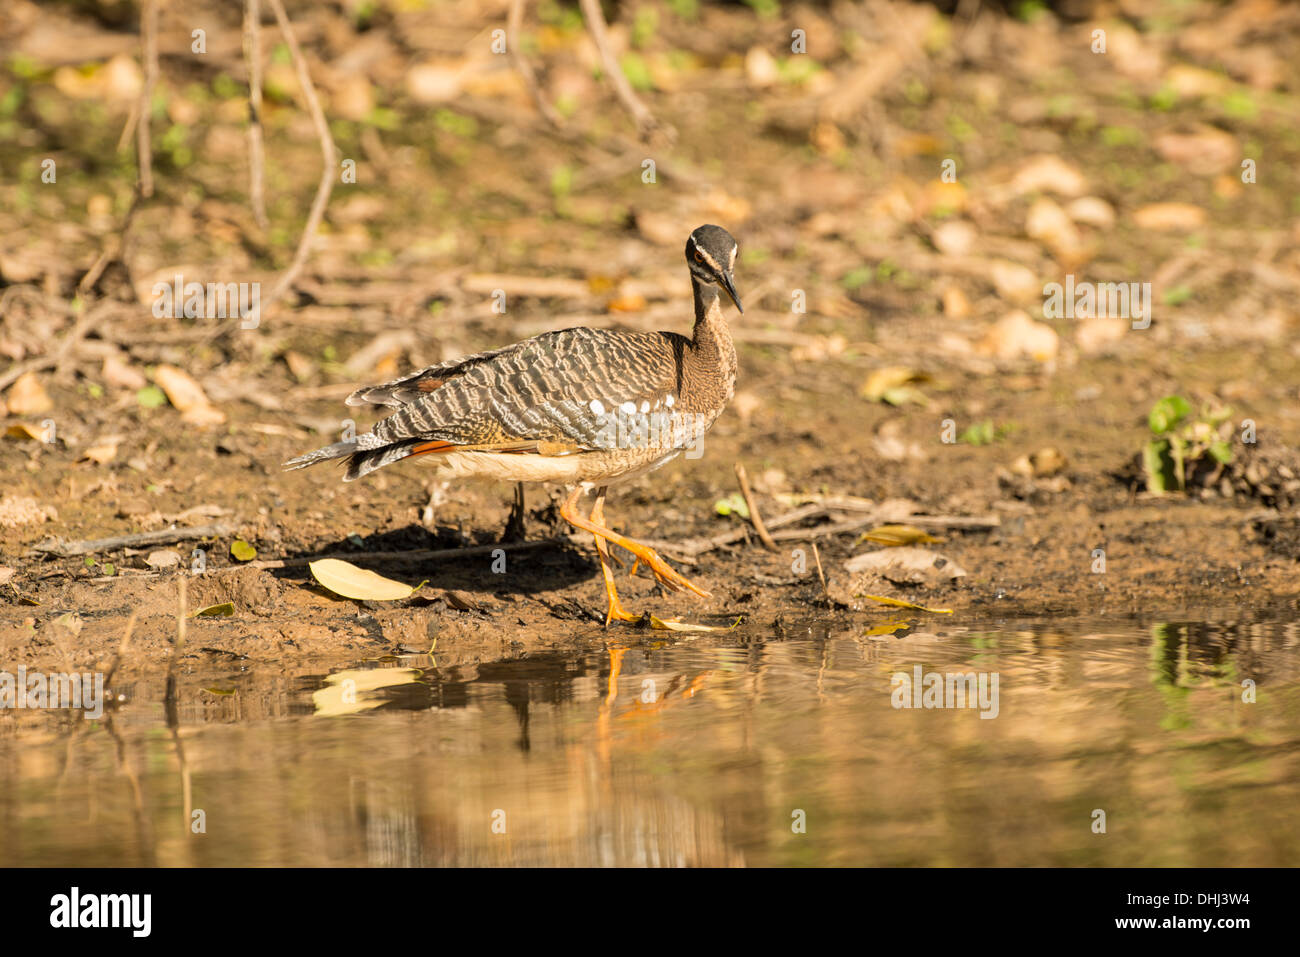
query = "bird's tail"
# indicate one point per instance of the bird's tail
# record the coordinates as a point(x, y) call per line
point(364, 454)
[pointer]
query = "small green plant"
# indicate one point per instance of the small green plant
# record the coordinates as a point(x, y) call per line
point(1180, 443)
point(983, 433)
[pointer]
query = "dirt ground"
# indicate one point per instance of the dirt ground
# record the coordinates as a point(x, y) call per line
point(835, 196)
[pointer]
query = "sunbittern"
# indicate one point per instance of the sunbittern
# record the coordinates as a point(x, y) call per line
point(584, 408)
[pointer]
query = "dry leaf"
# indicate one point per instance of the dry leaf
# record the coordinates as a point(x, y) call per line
point(1016, 335)
point(346, 579)
point(1048, 174)
point(1169, 216)
point(28, 397)
point(117, 373)
point(894, 384)
point(187, 396)
point(163, 558)
point(23, 430)
point(100, 454)
point(1015, 282)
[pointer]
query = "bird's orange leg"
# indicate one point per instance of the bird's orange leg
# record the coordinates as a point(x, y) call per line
point(616, 610)
point(665, 573)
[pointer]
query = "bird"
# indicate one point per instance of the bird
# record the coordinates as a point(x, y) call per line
point(584, 408)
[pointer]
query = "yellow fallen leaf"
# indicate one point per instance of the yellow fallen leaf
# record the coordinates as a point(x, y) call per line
point(895, 535)
point(894, 385)
point(346, 579)
point(676, 624)
point(899, 603)
point(223, 610)
point(21, 430)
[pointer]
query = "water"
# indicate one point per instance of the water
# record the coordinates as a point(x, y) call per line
point(693, 751)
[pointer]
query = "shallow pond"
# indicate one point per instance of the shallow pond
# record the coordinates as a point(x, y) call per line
point(719, 750)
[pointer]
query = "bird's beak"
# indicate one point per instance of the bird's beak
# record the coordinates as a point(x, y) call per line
point(730, 287)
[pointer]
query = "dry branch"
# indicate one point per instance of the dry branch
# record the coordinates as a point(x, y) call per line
point(143, 146)
point(646, 124)
point(514, 20)
point(256, 153)
point(327, 152)
point(163, 536)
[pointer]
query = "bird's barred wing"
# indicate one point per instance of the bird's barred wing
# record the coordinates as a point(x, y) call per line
point(414, 386)
point(579, 389)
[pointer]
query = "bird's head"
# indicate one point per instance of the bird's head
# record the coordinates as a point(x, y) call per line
point(711, 254)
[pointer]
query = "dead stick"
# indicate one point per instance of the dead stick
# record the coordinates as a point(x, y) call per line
point(514, 20)
point(327, 152)
point(754, 517)
point(256, 153)
point(821, 574)
point(162, 536)
point(78, 332)
point(423, 554)
point(645, 121)
point(143, 147)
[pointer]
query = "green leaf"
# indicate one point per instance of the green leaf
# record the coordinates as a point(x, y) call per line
point(1221, 452)
point(1167, 413)
point(735, 502)
point(151, 397)
point(241, 551)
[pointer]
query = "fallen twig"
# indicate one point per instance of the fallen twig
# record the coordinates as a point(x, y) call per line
point(754, 517)
point(420, 554)
point(161, 537)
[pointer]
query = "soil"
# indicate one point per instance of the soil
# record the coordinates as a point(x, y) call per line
point(482, 187)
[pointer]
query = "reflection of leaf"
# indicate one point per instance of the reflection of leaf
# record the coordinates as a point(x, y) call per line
point(899, 603)
point(219, 691)
point(351, 691)
point(346, 579)
point(888, 628)
point(895, 535)
point(224, 610)
point(242, 551)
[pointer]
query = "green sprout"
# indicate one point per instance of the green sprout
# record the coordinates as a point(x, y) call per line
point(1180, 441)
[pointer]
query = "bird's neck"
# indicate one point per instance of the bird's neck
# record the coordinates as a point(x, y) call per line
point(711, 357)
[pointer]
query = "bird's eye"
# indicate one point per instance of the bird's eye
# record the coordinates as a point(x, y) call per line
point(699, 256)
